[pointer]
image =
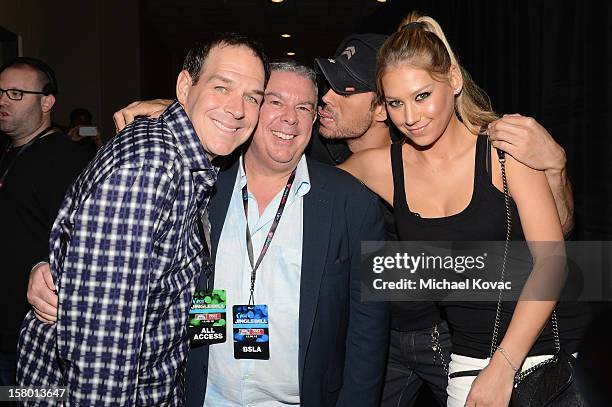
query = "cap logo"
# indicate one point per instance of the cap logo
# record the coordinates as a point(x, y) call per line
point(349, 89)
point(332, 61)
point(349, 52)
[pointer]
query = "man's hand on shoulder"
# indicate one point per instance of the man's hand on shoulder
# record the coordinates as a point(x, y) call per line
point(41, 293)
point(530, 144)
point(527, 141)
point(152, 108)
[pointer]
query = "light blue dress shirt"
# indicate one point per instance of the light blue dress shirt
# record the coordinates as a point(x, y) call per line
point(262, 383)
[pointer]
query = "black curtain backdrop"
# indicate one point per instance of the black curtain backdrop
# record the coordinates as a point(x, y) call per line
point(551, 60)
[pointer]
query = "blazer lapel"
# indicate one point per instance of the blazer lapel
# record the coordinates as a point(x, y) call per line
point(317, 224)
point(219, 204)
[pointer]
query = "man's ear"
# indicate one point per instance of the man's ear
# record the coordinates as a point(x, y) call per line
point(380, 112)
point(47, 102)
point(183, 86)
point(456, 79)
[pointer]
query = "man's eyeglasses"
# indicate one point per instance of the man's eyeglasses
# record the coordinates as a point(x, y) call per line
point(17, 94)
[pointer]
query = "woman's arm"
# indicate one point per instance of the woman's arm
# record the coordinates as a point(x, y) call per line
point(540, 221)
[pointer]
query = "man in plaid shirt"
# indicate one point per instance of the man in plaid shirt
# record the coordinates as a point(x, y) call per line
point(126, 247)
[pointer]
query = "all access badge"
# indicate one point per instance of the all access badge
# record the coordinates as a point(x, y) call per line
point(207, 318)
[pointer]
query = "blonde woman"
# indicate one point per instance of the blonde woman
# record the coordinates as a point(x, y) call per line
point(441, 189)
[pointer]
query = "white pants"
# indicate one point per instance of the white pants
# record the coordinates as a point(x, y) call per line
point(459, 387)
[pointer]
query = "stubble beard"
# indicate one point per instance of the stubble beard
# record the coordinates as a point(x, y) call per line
point(344, 132)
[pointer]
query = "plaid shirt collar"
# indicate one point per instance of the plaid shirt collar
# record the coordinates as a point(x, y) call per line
point(189, 143)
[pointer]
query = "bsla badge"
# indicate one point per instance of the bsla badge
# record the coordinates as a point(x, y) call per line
point(251, 332)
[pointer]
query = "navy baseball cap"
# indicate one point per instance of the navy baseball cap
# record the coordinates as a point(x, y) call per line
point(353, 68)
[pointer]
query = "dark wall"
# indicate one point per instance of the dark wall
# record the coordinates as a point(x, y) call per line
point(93, 47)
point(9, 47)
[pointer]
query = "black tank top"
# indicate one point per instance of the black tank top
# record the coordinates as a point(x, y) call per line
point(484, 219)
point(407, 315)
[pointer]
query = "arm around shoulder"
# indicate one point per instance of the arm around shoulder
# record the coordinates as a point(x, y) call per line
point(531, 144)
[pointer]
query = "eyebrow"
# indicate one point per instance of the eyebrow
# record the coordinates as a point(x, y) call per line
point(220, 78)
point(280, 96)
point(229, 81)
point(416, 92)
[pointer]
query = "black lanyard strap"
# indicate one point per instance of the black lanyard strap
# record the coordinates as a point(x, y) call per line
point(266, 245)
point(20, 152)
point(207, 263)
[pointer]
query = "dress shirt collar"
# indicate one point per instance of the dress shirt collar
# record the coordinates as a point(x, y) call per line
point(301, 182)
point(188, 141)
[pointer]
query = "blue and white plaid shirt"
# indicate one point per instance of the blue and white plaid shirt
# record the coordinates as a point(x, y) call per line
point(125, 256)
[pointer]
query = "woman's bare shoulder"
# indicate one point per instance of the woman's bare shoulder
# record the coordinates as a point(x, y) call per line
point(368, 164)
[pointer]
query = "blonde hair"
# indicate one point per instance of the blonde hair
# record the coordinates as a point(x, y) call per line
point(420, 41)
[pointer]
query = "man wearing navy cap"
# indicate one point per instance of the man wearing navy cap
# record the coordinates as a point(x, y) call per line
point(350, 119)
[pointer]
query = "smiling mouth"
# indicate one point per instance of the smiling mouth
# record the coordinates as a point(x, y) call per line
point(283, 136)
point(417, 130)
point(223, 127)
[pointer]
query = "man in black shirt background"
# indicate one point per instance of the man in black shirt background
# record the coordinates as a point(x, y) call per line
point(37, 165)
point(81, 117)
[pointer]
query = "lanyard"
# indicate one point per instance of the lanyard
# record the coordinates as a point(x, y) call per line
point(20, 152)
point(208, 265)
point(266, 245)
